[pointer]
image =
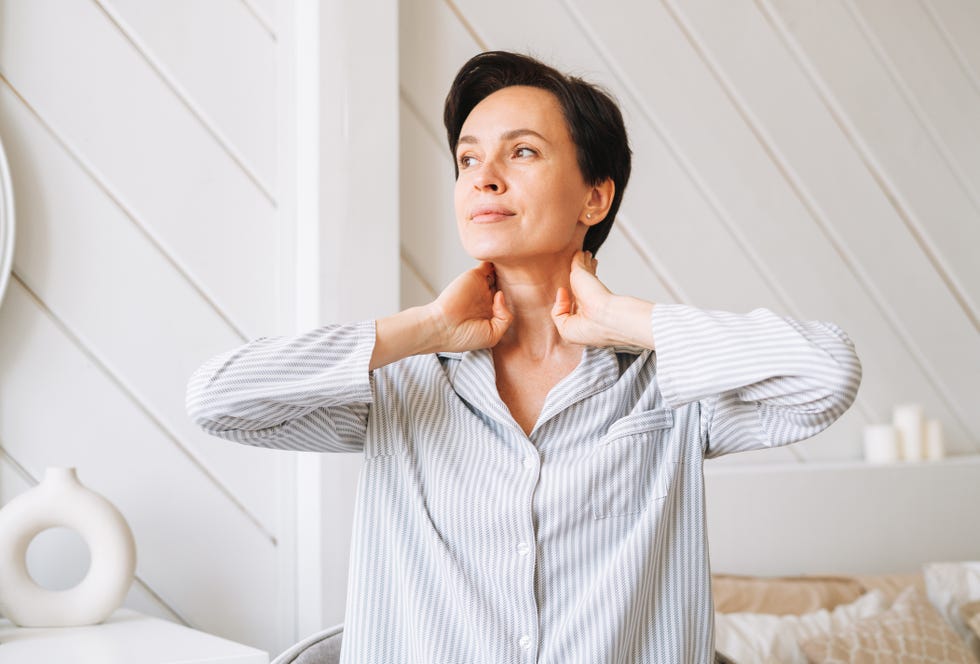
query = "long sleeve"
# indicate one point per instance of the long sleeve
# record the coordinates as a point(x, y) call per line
point(762, 380)
point(306, 392)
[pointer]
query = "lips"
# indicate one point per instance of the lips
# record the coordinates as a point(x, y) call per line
point(489, 214)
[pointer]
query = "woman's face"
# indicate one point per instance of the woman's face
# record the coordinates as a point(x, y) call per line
point(520, 193)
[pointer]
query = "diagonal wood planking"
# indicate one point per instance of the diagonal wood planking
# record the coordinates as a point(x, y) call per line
point(937, 325)
point(89, 83)
point(936, 209)
point(116, 292)
point(223, 65)
point(266, 13)
point(837, 188)
point(118, 181)
point(957, 22)
point(194, 548)
point(924, 70)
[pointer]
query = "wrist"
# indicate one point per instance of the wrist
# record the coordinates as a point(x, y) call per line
point(408, 332)
point(628, 322)
point(428, 326)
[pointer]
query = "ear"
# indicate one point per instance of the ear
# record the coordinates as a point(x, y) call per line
point(597, 202)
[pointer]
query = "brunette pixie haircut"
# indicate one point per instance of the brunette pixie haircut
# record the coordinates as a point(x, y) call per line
point(594, 121)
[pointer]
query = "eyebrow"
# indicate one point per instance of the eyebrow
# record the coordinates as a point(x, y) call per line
point(506, 136)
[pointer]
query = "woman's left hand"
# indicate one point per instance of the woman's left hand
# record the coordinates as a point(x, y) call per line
point(592, 315)
point(580, 315)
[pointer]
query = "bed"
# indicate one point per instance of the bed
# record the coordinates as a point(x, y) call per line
point(846, 562)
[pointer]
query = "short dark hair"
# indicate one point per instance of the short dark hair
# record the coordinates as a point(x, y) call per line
point(593, 118)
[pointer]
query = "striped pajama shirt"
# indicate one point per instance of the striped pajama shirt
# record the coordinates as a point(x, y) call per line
point(583, 542)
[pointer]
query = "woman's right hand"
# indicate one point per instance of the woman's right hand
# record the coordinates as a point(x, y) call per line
point(470, 313)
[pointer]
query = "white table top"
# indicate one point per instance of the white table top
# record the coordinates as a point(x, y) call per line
point(128, 637)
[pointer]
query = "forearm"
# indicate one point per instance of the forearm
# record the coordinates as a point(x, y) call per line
point(305, 391)
point(409, 332)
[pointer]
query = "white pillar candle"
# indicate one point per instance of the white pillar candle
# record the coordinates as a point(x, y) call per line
point(907, 418)
point(935, 448)
point(881, 443)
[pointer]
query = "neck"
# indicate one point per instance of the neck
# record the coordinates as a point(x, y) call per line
point(529, 289)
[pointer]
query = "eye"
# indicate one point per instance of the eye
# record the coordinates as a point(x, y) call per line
point(525, 151)
point(466, 160)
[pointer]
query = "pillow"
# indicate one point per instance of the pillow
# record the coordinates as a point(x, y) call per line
point(974, 623)
point(769, 639)
point(911, 631)
point(950, 586)
point(782, 595)
point(893, 584)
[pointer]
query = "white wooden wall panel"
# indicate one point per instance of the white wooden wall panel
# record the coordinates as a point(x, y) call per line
point(842, 196)
point(94, 89)
point(926, 189)
point(267, 13)
point(225, 64)
point(144, 159)
point(89, 263)
point(433, 44)
point(748, 188)
point(924, 70)
point(958, 21)
point(429, 232)
point(194, 548)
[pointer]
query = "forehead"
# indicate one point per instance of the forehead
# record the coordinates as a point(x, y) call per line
point(513, 107)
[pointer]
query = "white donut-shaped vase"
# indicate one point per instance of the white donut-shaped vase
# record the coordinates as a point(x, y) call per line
point(61, 500)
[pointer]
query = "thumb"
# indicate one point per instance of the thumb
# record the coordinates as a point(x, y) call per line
point(563, 305)
point(502, 317)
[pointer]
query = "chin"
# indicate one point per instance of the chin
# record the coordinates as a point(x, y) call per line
point(488, 251)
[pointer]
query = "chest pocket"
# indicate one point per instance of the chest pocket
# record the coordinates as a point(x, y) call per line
point(631, 464)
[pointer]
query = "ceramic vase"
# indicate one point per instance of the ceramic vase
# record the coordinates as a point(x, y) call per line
point(61, 500)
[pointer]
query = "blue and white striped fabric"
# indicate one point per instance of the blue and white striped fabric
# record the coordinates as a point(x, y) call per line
point(582, 542)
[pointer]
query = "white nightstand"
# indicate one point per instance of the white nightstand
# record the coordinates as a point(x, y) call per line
point(128, 637)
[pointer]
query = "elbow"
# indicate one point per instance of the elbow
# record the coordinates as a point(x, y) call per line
point(847, 376)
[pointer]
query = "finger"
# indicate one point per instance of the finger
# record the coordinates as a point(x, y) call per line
point(563, 303)
point(500, 308)
point(502, 317)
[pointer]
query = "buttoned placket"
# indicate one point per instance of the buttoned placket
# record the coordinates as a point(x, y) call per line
point(525, 551)
point(474, 380)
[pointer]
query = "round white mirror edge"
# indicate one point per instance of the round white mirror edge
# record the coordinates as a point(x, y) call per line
point(6, 223)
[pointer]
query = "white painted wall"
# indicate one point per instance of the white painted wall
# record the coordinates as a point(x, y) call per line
point(142, 140)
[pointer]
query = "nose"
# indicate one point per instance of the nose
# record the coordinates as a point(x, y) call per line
point(489, 178)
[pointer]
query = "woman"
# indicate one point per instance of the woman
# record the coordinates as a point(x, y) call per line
point(532, 486)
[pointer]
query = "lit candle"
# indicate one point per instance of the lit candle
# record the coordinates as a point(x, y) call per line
point(908, 420)
point(881, 443)
point(935, 449)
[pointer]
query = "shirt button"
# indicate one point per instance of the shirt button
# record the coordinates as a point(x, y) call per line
point(525, 642)
point(523, 548)
point(529, 462)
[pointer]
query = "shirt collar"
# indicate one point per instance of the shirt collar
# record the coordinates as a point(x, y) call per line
point(474, 379)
